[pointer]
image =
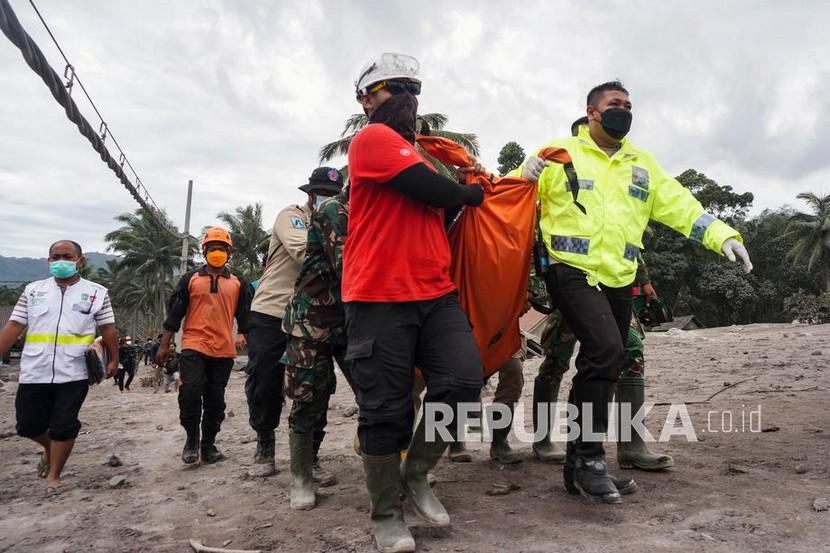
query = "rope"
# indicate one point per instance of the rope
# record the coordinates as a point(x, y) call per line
point(35, 59)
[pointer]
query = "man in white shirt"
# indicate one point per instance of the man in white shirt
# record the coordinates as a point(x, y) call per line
point(60, 315)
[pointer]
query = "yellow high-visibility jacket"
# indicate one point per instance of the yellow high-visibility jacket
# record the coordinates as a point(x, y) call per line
point(620, 194)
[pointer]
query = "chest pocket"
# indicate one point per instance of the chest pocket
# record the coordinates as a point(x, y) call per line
point(79, 309)
point(639, 184)
point(84, 307)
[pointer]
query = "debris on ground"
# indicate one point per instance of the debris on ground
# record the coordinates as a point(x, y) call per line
point(118, 481)
point(199, 548)
point(503, 489)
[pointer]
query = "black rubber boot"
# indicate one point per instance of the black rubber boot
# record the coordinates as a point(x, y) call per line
point(210, 454)
point(457, 452)
point(592, 480)
point(625, 486)
point(190, 453)
point(500, 449)
point(264, 464)
point(634, 453)
point(545, 391)
point(323, 477)
point(420, 459)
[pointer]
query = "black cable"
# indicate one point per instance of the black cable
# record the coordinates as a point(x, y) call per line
point(35, 59)
point(77, 78)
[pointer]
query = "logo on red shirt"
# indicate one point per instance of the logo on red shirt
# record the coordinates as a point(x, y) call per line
point(405, 152)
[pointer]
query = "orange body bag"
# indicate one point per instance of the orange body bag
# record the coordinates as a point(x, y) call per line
point(491, 247)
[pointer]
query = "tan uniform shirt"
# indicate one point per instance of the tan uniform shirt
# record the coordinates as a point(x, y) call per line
point(285, 256)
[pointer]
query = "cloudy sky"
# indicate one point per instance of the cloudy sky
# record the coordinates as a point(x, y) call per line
point(239, 95)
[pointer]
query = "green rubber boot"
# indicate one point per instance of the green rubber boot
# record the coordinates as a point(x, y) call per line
point(545, 391)
point(383, 481)
point(635, 453)
point(301, 447)
point(420, 459)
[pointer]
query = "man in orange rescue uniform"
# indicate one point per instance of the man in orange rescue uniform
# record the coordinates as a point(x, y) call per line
point(210, 297)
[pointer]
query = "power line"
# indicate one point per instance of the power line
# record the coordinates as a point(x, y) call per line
point(61, 91)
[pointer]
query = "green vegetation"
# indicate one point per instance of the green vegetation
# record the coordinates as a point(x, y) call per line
point(511, 156)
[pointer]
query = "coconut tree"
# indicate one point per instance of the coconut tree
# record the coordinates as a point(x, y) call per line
point(811, 232)
point(143, 277)
point(435, 122)
point(250, 240)
point(134, 299)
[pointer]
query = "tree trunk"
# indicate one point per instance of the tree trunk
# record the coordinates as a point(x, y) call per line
point(159, 316)
point(826, 272)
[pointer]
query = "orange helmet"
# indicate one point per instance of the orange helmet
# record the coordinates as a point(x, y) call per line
point(217, 234)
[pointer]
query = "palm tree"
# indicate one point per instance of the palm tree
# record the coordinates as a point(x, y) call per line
point(250, 240)
point(812, 234)
point(434, 121)
point(143, 277)
point(133, 298)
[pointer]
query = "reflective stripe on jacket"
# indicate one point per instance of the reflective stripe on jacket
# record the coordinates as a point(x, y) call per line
point(60, 328)
point(620, 195)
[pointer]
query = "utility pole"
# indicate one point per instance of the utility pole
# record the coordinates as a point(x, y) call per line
point(185, 249)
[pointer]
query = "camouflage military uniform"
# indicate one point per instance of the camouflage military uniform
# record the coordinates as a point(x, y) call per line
point(315, 321)
point(558, 341)
point(635, 367)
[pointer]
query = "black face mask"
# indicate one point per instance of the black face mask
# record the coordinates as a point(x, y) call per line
point(616, 122)
point(398, 112)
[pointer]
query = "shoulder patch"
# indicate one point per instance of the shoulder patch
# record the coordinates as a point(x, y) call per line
point(297, 222)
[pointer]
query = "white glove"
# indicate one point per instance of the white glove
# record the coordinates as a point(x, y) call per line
point(533, 168)
point(732, 249)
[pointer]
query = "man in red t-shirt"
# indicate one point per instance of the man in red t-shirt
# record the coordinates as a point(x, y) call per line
point(402, 309)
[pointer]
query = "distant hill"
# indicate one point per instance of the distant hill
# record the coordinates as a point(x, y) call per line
point(15, 271)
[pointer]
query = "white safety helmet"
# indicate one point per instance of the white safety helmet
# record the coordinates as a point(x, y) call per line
point(387, 66)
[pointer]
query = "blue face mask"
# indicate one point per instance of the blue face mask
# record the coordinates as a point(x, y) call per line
point(63, 269)
point(318, 201)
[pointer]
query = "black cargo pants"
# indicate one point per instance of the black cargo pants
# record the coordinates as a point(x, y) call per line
point(204, 379)
point(263, 387)
point(599, 317)
point(386, 342)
